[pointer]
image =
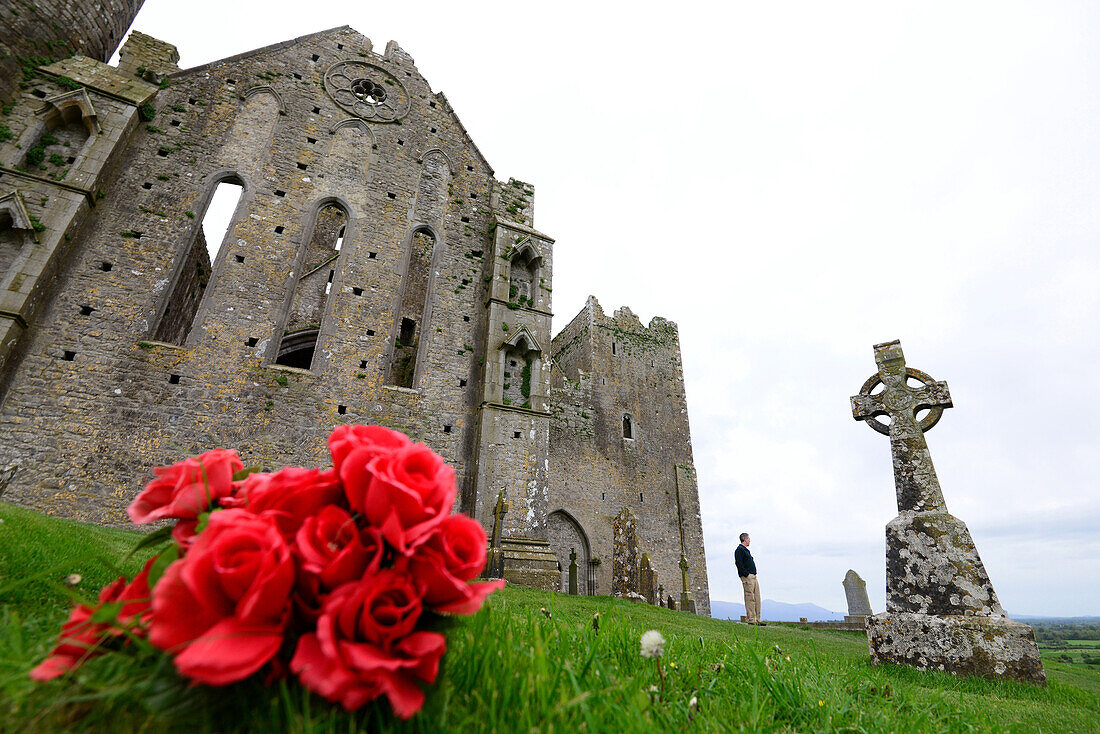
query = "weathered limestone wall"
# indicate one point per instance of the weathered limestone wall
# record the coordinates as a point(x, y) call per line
point(124, 345)
point(606, 368)
point(38, 32)
point(124, 402)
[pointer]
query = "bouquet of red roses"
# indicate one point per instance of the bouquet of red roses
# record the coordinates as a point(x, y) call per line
point(322, 573)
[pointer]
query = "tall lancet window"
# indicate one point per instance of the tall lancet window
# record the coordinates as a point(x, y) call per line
point(410, 321)
point(197, 263)
point(320, 266)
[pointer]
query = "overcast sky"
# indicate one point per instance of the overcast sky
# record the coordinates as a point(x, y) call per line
point(793, 183)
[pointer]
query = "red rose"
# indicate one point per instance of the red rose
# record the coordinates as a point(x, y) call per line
point(333, 547)
point(365, 646)
point(374, 439)
point(186, 489)
point(291, 495)
point(453, 555)
point(405, 494)
point(81, 638)
point(222, 609)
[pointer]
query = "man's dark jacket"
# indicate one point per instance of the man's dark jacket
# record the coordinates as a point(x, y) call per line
point(745, 564)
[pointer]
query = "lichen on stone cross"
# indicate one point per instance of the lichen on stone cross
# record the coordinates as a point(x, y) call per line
point(918, 489)
point(499, 512)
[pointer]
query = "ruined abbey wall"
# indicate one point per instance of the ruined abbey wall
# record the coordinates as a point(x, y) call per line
point(374, 271)
point(98, 390)
point(36, 32)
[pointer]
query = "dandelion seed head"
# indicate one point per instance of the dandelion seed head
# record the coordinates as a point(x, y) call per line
point(653, 644)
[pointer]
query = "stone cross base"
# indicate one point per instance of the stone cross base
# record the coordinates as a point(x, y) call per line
point(529, 562)
point(933, 567)
point(687, 603)
point(860, 619)
point(992, 647)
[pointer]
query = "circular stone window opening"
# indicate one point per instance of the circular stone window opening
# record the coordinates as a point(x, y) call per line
point(368, 91)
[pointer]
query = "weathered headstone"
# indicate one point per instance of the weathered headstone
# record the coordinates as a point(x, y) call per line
point(671, 602)
point(941, 610)
point(647, 580)
point(687, 603)
point(859, 606)
point(661, 594)
point(494, 566)
point(573, 587)
point(624, 564)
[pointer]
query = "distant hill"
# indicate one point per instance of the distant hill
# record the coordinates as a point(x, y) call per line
point(775, 611)
point(1056, 620)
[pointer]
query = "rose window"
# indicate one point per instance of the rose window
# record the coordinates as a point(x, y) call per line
point(367, 91)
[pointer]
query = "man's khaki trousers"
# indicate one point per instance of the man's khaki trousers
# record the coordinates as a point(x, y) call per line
point(752, 598)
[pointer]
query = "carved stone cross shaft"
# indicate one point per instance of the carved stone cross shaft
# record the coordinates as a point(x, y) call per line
point(914, 476)
point(499, 512)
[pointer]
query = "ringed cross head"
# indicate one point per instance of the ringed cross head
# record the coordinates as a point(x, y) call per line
point(914, 476)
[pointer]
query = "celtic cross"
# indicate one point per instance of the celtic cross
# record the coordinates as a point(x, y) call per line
point(914, 476)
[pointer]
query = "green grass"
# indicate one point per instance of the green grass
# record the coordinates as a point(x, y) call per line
point(511, 668)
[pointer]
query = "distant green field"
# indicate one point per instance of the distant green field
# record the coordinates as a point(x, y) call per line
point(529, 661)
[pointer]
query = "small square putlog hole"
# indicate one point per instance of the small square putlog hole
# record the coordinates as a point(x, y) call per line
point(341, 409)
point(446, 429)
point(106, 266)
point(517, 434)
point(252, 341)
point(357, 291)
point(173, 379)
point(68, 356)
point(86, 310)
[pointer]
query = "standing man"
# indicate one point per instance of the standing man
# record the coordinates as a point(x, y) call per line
point(746, 569)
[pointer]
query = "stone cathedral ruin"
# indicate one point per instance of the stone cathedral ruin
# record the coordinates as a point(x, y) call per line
point(374, 270)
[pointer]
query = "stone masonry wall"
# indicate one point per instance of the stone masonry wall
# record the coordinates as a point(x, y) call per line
point(34, 32)
point(595, 472)
point(124, 403)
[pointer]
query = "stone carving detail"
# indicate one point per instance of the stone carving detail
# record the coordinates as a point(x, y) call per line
point(367, 91)
point(941, 610)
point(624, 567)
point(855, 589)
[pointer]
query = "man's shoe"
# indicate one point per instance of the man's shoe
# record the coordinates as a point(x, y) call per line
point(761, 624)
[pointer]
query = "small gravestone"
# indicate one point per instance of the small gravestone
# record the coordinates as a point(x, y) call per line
point(647, 580)
point(941, 610)
point(660, 595)
point(687, 603)
point(859, 606)
point(671, 602)
point(624, 562)
point(573, 571)
point(494, 566)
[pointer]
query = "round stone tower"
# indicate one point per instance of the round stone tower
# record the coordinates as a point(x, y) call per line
point(37, 32)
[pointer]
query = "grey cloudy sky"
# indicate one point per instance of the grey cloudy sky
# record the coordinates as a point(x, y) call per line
point(792, 183)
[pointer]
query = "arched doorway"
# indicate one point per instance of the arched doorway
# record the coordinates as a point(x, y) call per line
point(566, 534)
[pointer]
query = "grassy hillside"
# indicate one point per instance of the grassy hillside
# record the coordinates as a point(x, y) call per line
point(528, 661)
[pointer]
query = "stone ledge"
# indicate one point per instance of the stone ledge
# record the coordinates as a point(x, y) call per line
point(991, 647)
